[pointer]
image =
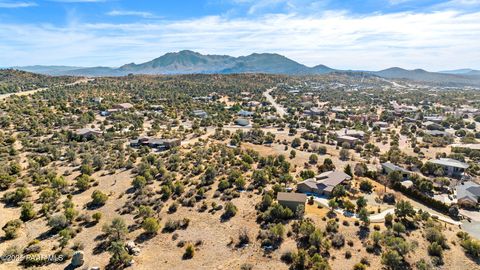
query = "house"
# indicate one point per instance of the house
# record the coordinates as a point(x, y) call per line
point(123, 106)
point(351, 132)
point(338, 110)
point(315, 111)
point(294, 92)
point(157, 143)
point(380, 124)
point(245, 113)
point(324, 183)
point(433, 126)
point(97, 99)
point(388, 167)
point(87, 133)
point(105, 113)
point(242, 122)
point(347, 139)
point(253, 103)
point(156, 108)
point(452, 167)
point(437, 133)
point(200, 113)
point(291, 200)
point(468, 194)
point(409, 120)
point(434, 118)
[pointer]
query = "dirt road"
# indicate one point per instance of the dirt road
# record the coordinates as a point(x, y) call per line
point(31, 92)
point(280, 110)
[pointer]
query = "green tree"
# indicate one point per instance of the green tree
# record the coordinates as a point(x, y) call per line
point(392, 260)
point(117, 230)
point(150, 225)
point(99, 198)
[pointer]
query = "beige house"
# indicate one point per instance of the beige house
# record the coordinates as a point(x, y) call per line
point(291, 200)
point(324, 183)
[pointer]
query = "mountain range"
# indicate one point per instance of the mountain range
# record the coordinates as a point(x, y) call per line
point(189, 62)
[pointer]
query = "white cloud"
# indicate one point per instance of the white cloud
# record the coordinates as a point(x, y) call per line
point(142, 14)
point(16, 4)
point(435, 41)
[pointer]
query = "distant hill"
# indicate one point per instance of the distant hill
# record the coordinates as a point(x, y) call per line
point(48, 70)
point(189, 62)
point(431, 77)
point(465, 71)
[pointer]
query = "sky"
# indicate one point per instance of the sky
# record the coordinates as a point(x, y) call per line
point(348, 34)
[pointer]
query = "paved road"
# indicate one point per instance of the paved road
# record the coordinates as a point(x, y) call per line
point(280, 110)
point(31, 92)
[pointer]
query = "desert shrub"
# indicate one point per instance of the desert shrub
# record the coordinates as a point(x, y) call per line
point(243, 237)
point(189, 252)
point(83, 182)
point(366, 186)
point(139, 182)
point(58, 222)
point(150, 225)
point(11, 228)
point(17, 196)
point(338, 240)
point(27, 212)
point(99, 198)
point(359, 266)
point(230, 210)
point(471, 247)
point(276, 212)
point(97, 216)
point(332, 226)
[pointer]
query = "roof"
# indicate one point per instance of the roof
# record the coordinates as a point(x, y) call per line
point(469, 190)
point(407, 183)
point(450, 163)
point(291, 197)
point(242, 122)
point(332, 178)
point(350, 132)
point(394, 167)
point(84, 131)
point(380, 123)
point(245, 113)
point(125, 105)
point(437, 133)
point(347, 138)
point(326, 181)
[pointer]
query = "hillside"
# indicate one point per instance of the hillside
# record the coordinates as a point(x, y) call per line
point(12, 81)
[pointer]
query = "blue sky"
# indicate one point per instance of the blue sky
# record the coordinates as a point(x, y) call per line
point(348, 34)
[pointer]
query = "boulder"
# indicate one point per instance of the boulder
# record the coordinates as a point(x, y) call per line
point(77, 259)
point(132, 248)
point(130, 245)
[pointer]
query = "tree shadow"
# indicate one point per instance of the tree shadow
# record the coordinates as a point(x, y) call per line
point(363, 232)
point(143, 237)
point(45, 235)
point(100, 248)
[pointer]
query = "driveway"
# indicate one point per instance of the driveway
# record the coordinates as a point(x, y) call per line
point(380, 217)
